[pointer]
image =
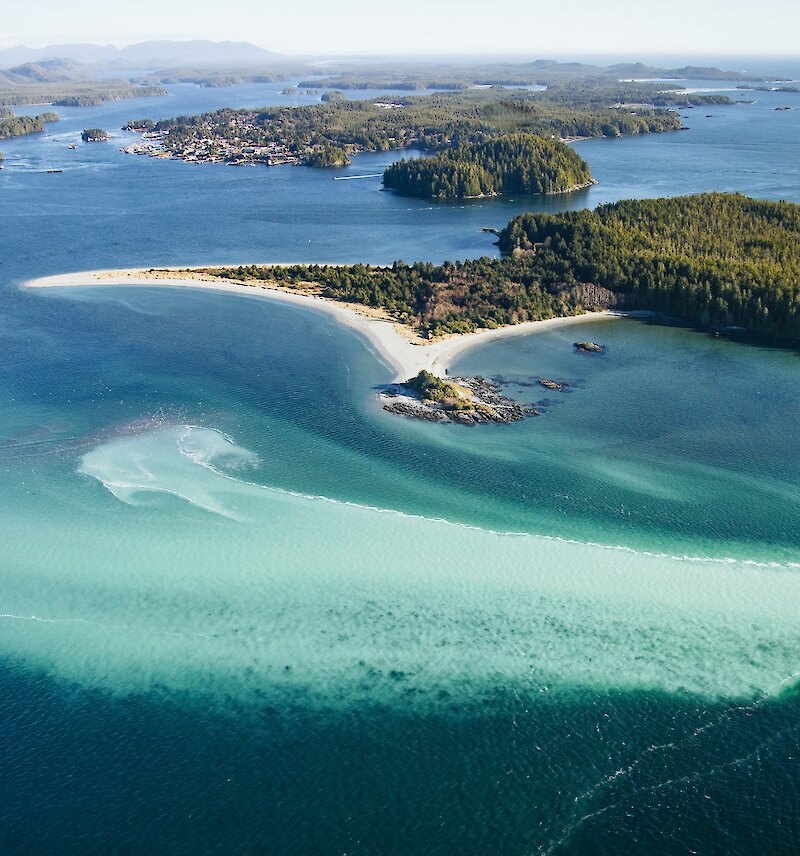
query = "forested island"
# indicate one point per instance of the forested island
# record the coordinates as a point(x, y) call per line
point(210, 77)
point(74, 94)
point(718, 260)
point(18, 126)
point(510, 163)
point(406, 75)
point(65, 83)
point(430, 123)
point(95, 135)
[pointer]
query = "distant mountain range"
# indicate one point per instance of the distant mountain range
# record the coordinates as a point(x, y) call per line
point(143, 55)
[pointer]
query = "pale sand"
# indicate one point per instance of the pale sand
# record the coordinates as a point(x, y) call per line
point(404, 352)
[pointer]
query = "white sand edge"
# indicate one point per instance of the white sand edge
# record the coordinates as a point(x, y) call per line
point(405, 357)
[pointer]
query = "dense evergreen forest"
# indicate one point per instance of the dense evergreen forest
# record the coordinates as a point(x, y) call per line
point(715, 259)
point(513, 163)
point(430, 123)
point(455, 297)
point(328, 156)
point(18, 126)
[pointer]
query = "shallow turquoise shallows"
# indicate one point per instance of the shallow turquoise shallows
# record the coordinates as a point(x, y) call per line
point(244, 610)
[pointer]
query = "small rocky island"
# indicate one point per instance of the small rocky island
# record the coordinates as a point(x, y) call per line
point(462, 400)
point(95, 135)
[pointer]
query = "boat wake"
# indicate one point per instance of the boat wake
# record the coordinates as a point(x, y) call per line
point(357, 177)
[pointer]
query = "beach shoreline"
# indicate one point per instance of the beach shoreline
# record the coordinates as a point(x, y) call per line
point(405, 353)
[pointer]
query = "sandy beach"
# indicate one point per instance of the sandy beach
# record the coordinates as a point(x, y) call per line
point(397, 345)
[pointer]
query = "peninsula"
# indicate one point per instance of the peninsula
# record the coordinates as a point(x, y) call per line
point(404, 351)
point(432, 123)
point(646, 255)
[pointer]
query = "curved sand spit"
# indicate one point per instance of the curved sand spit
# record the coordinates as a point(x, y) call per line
point(405, 353)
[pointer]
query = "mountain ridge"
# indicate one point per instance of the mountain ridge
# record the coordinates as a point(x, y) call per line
point(161, 52)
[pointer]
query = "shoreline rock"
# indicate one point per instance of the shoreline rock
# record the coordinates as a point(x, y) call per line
point(555, 385)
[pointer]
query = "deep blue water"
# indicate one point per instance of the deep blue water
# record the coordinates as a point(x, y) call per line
point(654, 726)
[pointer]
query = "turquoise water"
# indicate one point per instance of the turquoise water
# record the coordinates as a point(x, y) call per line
point(243, 609)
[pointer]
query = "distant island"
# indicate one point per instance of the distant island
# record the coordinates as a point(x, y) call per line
point(410, 76)
point(405, 74)
point(74, 94)
point(511, 163)
point(94, 94)
point(95, 135)
point(18, 126)
point(65, 83)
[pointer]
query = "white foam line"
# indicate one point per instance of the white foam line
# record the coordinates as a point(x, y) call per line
point(724, 716)
point(40, 620)
point(12, 616)
point(727, 560)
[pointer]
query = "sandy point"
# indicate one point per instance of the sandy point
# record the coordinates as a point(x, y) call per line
point(396, 344)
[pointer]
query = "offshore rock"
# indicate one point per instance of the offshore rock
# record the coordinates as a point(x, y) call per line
point(483, 403)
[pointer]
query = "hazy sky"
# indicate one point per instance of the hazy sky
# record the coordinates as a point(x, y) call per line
point(420, 26)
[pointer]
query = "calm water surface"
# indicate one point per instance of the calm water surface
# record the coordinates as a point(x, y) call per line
point(244, 610)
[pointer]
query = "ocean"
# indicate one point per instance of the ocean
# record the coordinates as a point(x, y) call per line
point(245, 610)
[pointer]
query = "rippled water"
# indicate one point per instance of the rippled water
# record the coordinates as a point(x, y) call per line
point(242, 605)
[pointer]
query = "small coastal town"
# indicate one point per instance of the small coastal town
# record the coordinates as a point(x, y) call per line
point(238, 140)
point(233, 151)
